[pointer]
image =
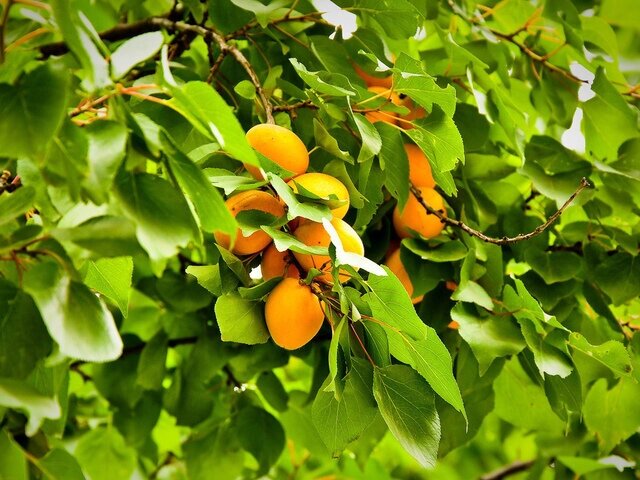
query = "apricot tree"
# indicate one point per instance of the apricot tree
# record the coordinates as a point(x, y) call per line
point(313, 239)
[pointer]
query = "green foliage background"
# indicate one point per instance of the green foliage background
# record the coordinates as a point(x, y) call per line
point(132, 347)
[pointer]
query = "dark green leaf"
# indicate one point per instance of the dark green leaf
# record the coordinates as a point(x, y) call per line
point(241, 320)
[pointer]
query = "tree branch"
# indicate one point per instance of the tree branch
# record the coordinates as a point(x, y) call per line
point(504, 240)
point(508, 470)
point(155, 23)
point(3, 23)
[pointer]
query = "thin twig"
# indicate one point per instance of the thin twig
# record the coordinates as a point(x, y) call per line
point(295, 106)
point(3, 23)
point(216, 65)
point(508, 470)
point(504, 240)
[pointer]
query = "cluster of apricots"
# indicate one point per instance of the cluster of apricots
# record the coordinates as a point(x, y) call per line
point(294, 312)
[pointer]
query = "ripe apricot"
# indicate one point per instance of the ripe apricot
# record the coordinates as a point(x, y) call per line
point(415, 113)
point(293, 314)
point(314, 234)
point(371, 80)
point(389, 117)
point(394, 262)
point(419, 167)
point(279, 145)
point(277, 264)
point(416, 218)
point(250, 200)
point(323, 186)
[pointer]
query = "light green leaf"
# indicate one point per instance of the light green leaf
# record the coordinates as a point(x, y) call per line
point(394, 163)
point(613, 415)
point(21, 396)
point(78, 34)
point(107, 148)
point(16, 203)
point(241, 320)
point(13, 463)
point(199, 103)
point(371, 141)
point(445, 252)
point(112, 278)
point(340, 421)
point(209, 204)
point(471, 292)
point(76, 319)
point(297, 209)
point(58, 464)
point(103, 454)
point(134, 51)
point(408, 407)
point(490, 337)
point(610, 354)
point(315, 81)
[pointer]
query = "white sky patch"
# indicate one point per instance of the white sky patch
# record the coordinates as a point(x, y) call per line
point(584, 92)
point(337, 16)
point(573, 139)
point(255, 273)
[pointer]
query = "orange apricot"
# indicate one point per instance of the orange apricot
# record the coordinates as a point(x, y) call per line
point(380, 116)
point(323, 185)
point(314, 234)
point(277, 264)
point(371, 80)
point(419, 167)
point(394, 262)
point(250, 200)
point(416, 218)
point(281, 146)
point(293, 314)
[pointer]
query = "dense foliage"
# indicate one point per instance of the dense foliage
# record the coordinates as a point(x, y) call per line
point(133, 341)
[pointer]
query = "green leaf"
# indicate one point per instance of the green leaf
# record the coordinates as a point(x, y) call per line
point(209, 204)
point(13, 463)
point(296, 208)
point(610, 354)
point(470, 291)
point(217, 451)
point(316, 81)
point(410, 340)
point(517, 393)
point(619, 277)
point(260, 434)
point(445, 252)
point(60, 465)
point(262, 12)
point(394, 163)
point(162, 216)
point(408, 407)
point(107, 148)
point(490, 337)
point(24, 340)
point(241, 320)
point(199, 103)
point(214, 278)
point(411, 79)
point(245, 89)
point(151, 366)
point(103, 454)
point(273, 391)
point(612, 414)
point(134, 51)
point(16, 203)
point(581, 465)
point(340, 421)
point(259, 291)
point(608, 120)
point(112, 278)
point(76, 319)
point(32, 111)
point(79, 34)
point(554, 267)
point(439, 139)
point(371, 141)
point(285, 241)
point(21, 396)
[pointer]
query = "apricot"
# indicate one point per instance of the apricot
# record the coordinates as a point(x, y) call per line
point(394, 262)
point(250, 200)
point(416, 218)
point(323, 185)
point(389, 117)
point(416, 112)
point(293, 314)
point(279, 145)
point(277, 264)
point(419, 167)
point(371, 80)
point(314, 234)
